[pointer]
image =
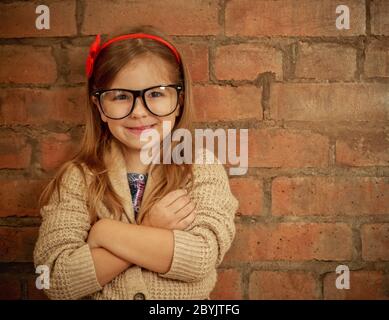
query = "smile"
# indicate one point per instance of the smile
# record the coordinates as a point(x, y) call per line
point(139, 130)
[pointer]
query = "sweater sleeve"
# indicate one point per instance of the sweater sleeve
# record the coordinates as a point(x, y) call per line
point(61, 243)
point(202, 245)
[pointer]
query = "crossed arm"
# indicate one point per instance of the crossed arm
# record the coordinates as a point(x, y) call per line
point(115, 246)
point(79, 269)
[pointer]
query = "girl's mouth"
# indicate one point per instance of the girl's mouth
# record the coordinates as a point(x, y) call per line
point(138, 130)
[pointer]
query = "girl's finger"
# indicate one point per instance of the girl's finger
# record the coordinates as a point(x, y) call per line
point(184, 212)
point(172, 196)
point(179, 204)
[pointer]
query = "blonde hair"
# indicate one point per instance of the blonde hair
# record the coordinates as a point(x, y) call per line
point(97, 138)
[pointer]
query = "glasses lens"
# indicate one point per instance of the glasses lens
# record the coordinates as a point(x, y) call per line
point(116, 103)
point(161, 100)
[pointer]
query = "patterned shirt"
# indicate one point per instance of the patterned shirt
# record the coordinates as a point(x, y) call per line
point(137, 183)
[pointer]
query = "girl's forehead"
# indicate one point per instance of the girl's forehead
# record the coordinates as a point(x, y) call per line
point(143, 72)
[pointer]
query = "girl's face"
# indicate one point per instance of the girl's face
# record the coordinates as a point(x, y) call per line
point(141, 73)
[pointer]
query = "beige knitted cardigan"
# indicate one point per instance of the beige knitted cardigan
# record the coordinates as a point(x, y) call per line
point(198, 250)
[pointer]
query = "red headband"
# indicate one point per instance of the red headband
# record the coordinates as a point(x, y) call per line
point(96, 47)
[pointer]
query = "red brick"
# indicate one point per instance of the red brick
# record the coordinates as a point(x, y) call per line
point(20, 197)
point(41, 106)
point(286, 18)
point(17, 244)
point(375, 242)
point(287, 149)
point(326, 61)
point(330, 101)
point(173, 16)
point(18, 19)
point(276, 285)
point(330, 196)
point(56, 149)
point(246, 62)
point(364, 285)
point(377, 59)
point(228, 286)
point(379, 12)
point(249, 192)
point(77, 60)
point(363, 149)
point(197, 60)
point(218, 103)
point(291, 242)
point(10, 288)
point(15, 152)
point(24, 64)
point(33, 293)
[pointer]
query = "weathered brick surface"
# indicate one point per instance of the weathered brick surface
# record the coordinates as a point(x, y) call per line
point(18, 19)
point(24, 64)
point(330, 101)
point(364, 285)
point(330, 196)
point(286, 18)
point(275, 285)
point(176, 17)
point(228, 286)
point(292, 242)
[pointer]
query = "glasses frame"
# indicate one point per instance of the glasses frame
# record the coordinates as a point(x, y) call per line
point(138, 93)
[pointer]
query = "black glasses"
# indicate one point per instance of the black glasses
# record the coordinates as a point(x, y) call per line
point(159, 100)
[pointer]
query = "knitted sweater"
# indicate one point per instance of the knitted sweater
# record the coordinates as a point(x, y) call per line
point(198, 250)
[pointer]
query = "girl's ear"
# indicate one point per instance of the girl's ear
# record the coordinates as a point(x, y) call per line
point(94, 100)
point(95, 103)
point(181, 100)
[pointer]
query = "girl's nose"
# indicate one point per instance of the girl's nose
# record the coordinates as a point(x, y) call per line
point(139, 107)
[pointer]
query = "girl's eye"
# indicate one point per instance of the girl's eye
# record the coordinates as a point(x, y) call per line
point(156, 94)
point(121, 97)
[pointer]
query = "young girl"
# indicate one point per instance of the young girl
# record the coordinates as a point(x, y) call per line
point(115, 227)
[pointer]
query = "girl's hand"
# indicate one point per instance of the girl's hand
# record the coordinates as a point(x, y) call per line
point(174, 211)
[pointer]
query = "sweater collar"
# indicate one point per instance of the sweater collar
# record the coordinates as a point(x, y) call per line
point(117, 173)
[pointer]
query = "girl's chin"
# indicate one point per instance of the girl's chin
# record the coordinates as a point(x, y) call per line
point(135, 143)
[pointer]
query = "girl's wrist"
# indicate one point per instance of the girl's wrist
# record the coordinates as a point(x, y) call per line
point(97, 231)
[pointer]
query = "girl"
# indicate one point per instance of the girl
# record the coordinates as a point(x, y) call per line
point(115, 227)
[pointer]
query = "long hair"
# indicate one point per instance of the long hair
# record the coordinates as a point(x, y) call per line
point(97, 138)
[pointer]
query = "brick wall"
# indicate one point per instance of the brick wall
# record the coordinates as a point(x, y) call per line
point(314, 98)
